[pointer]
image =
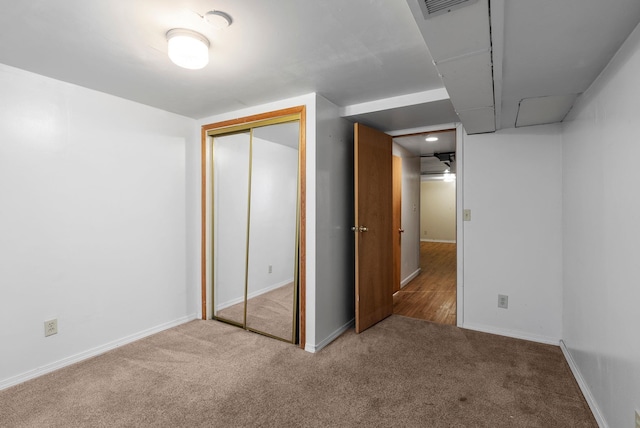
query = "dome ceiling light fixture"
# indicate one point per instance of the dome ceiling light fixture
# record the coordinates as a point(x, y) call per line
point(431, 138)
point(218, 19)
point(187, 48)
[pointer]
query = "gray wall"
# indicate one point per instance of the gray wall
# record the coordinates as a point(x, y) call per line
point(334, 215)
point(601, 230)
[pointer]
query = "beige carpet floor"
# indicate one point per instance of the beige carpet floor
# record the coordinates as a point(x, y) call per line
point(400, 373)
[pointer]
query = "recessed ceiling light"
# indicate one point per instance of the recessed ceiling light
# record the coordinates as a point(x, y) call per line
point(187, 48)
point(431, 138)
point(218, 19)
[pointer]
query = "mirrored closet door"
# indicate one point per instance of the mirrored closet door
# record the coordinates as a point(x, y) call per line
point(256, 212)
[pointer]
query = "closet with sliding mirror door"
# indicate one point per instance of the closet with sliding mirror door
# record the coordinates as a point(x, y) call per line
point(255, 223)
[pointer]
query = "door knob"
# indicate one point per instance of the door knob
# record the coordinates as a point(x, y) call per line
point(363, 228)
point(359, 228)
point(401, 230)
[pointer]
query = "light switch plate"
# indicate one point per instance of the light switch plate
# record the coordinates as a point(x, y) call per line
point(467, 215)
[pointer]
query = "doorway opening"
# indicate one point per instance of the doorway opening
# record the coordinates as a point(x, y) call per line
point(426, 285)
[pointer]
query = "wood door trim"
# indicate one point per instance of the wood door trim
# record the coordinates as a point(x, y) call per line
point(439, 131)
point(302, 238)
point(255, 118)
point(396, 199)
point(301, 110)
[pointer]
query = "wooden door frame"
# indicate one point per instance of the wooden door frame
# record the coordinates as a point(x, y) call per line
point(396, 200)
point(205, 212)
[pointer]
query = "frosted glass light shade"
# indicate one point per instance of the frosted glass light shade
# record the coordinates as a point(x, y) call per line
point(188, 49)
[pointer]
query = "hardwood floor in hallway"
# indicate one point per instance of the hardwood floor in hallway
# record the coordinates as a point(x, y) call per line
point(431, 295)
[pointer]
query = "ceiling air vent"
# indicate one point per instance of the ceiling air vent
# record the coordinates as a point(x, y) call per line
point(431, 8)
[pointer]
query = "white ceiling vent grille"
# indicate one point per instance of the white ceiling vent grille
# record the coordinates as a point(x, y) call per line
point(431, 8)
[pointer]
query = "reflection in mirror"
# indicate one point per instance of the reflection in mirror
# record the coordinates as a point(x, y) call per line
point(231, 158)
point(271, 283)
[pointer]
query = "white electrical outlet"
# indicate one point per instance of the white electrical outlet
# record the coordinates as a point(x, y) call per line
point(50, 327)
point(503, 301)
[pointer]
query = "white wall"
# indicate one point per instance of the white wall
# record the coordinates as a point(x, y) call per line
point(410, 218)
point(92, 222)
point(601, 315)
point(513, 243)
point(193, 162)
point(438, 211)
point(335, 306)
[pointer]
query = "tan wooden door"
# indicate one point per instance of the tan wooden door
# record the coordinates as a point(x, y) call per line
point(373, 226)
point(397, 221)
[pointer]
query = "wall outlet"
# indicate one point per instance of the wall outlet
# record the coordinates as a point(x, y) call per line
point(467, 215)
point(270, 269)
point(637, 418)
point(503, 301)
point(50, 327)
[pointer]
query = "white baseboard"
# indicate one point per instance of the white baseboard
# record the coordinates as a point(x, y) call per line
point(591, 401)
point(229, 303)
point(48, 368)
point(513, 333)
point(438, 240)
point(409, 278)
point(333, 336)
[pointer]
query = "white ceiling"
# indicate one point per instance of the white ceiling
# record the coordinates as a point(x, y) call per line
point(417, 145)
point(369, 57)
point(554, 48)
point(348, 51)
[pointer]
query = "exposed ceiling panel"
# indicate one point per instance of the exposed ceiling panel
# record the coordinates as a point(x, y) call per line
point(460, 45)
point(457, 33)
point(478, 121)
point(542, 110)
point(461, 78)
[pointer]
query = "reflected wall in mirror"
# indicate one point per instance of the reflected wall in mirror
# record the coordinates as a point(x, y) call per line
point(255, 182)
point(231, 163)
point(273, 225)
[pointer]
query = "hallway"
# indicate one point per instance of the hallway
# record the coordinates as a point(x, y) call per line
point(431, 296)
